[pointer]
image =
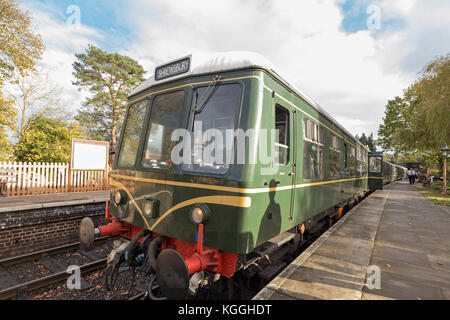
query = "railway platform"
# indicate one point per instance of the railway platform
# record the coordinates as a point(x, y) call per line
point(395, 231)
point(17, 203)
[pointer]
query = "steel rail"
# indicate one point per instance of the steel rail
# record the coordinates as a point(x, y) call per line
point(15, 291)
point(47, 252)
point(139, 296)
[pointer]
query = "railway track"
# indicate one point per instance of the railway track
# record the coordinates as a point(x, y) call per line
point(47, 252)
point(22, 289)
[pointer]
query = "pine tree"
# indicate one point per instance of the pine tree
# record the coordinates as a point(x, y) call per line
point(110, 77)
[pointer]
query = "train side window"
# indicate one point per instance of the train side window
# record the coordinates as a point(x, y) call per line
point(375, 164)
point(282, 125)
point(312, 151)
point(352, 161)
point(335, 157)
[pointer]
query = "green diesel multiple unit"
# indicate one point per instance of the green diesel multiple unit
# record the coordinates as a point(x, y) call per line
point(209, 216)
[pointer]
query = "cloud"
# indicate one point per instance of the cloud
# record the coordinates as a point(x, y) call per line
point(342, 72)
point(351, 75)
point(425, 35)
point(62, 42)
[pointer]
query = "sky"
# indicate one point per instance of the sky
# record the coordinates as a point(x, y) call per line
point(350, 56)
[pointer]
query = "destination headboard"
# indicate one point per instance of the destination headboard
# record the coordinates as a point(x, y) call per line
point(172, 69)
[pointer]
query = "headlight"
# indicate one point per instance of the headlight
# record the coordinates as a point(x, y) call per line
point(120, 197)
point(200, 214)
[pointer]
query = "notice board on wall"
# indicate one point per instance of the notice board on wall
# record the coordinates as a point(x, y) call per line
point(89, 154)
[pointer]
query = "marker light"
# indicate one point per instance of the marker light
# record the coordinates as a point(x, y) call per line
point(200, 214)
point(148, 208)
point(120, 197)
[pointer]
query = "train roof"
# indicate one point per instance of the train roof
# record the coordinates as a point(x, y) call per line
point(235, 60)
point(395, 165)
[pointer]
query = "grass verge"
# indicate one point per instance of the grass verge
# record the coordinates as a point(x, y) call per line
point(435, 195)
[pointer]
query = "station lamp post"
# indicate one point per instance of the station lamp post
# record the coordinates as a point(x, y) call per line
point(444, 153)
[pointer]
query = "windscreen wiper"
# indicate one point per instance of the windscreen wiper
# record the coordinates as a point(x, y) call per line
point(207, 95)
point(209, 92)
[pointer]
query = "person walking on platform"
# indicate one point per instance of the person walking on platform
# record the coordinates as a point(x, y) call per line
point(411, 176)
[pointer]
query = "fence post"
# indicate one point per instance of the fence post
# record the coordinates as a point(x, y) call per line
point(69, 180)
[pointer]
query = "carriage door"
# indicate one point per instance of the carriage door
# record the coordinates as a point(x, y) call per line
point(345, 161)
point(285, 159)
point(375, 170)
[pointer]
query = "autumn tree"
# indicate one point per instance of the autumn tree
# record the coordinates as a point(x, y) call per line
point(20, 45)
point(34, 93)
point(109, 77)
point(8, 115)
point(417, 124)
point(47, 140)
point(20, 48)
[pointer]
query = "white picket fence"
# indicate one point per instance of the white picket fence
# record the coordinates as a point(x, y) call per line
point(17, 178)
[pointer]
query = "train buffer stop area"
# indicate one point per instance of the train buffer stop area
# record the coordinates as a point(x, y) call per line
point(394, 245)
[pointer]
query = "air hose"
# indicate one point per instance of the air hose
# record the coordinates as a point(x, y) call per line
point(132, 245)
point(150, 262)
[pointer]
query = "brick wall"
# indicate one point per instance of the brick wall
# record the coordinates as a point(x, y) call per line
point(28, 231)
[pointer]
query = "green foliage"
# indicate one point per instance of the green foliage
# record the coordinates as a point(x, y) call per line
point(8, 116)
point(6, 147)
point(8, 113)
point(110, 77)
point(418, 123)
point(20, 46)
point(47, 140)
point(436, 197)
point(368, 141)
point(438, 185)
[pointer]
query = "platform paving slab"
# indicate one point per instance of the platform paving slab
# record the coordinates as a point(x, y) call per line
point(439, 262)
point(334, 266)
point(446, 294)
point(396, 229)
point(17, 203)
point(401, 255)
point(394, 287)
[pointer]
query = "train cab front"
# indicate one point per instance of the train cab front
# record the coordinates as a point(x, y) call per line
point(162, 208)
